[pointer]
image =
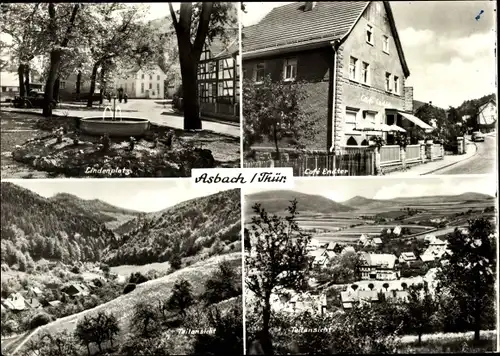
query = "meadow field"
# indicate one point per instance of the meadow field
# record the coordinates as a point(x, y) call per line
point(150, 291)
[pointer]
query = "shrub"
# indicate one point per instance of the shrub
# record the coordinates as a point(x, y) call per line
point(40, 319)
point(137, 278)
point(75, 270)
point(129, 288)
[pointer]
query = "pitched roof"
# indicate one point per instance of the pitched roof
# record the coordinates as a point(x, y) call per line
point(384, 260)
point(291, 24)
point(408, 256)
point(225, 46)
point(377, 240)
point(332, 246)
point(482, 107)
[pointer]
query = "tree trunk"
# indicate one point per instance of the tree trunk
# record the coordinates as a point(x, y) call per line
point(20, 75)
point(101, 90)
point(419, 338)
point(477, 324)
point(27, 78)
point(57, 86)
point(88, 349)
point(266, 319)
point(92, 84)
point(190, 104)
point(78, 84)
point(275, 136)
point(55, 62)
point(100, 347)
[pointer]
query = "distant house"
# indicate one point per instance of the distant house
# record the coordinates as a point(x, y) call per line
point(55, 303)
point(396, 296)
point(33, 303)
point(15, 302)
point(34, 292)
point(376, 241)
point(429, 237)
point(351, 298)
point(335, 247)
point(348, 249)
point(76, 290)
point(322, 257)
point(436, 250)
point(366, 241)
point(143, 83)
point(397, 230)
point(379, 266)
point(407, 257)
point(9, 82)
point(302, 302)
point(487, 116)
point(363, 240)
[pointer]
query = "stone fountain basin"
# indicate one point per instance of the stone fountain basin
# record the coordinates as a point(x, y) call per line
point(125, 126)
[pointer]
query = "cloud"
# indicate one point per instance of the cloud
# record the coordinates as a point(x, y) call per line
point(411, 37)
point(445, 186)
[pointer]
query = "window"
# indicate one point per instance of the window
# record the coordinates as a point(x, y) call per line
point(386, 44)
point(350, 116)
point(259, 72)
point(353, 62)
point(365, 73)
point(142, 76)
point(142, 87)
point(387, 81)
point(369, 116)
point(62, 84)
point(150, 85)
point(158, 77)
point(369, 34)
point(289, 69)
point(158, 87)
point(396, 85)
point(150, 77)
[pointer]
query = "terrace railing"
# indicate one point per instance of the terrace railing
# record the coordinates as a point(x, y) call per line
point(390, 154)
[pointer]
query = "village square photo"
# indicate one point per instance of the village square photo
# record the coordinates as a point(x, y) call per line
point(361, 88)
point(127, 267)
point(119, 89)
point(362, 265)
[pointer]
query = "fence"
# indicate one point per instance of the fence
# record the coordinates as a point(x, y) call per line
point(359, 163)
point(413, 153)
point(436, 151)
point(390, 154)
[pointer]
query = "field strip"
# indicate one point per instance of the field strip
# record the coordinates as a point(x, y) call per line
point(406, 339)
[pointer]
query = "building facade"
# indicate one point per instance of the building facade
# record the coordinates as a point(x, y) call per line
point(350, 59)
point(487, 116)
point(218, 79)
point(143, 83)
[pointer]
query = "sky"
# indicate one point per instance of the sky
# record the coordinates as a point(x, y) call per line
point(450, 54)
point(342, 189)
point(145, 195)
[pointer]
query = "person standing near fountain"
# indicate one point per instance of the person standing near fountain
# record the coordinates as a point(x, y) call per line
point(120, 94)
point(125, 97)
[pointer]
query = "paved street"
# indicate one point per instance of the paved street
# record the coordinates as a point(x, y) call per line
point(153, 110)
point(483, 162)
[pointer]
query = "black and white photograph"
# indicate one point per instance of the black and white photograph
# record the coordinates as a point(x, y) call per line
point(113, 90)
point(134, 267)
point(363, 88)
point(371, 266)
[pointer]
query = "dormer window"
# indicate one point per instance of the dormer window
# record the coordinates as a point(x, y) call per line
point(369, 34)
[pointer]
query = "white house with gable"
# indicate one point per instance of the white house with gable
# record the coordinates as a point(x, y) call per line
point(143, 83)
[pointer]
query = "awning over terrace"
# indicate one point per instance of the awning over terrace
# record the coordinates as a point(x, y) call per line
point(416, 121)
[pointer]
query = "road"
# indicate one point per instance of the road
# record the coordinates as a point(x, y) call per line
point(483, 162)
point(154, 110)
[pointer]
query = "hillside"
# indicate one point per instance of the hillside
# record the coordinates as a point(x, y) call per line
point(151, 291)
point(100, 211)
point(182, 230)
point(358, 201)
point(35, 227)
point(277, 202)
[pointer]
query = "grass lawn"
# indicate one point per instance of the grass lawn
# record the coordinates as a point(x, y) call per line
point(126, 270)
point(450, 343)
point(15, 130)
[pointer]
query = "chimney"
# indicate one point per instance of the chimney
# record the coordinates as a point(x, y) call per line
point(408, 105)
point(309, 5)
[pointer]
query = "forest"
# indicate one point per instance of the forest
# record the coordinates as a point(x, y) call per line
point(180, 231)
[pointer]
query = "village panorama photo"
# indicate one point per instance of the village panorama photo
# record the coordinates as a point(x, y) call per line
point(118, 89)
point(369, 266)
point(127, 268)
point(363, 88)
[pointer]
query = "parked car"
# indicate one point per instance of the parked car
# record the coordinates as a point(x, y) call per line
point(477, 137)
point(34, 99)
